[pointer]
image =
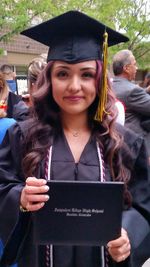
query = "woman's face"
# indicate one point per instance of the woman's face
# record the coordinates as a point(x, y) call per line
point(74, 86)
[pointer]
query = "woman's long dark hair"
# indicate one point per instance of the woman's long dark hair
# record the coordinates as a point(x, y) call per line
point(46, 122)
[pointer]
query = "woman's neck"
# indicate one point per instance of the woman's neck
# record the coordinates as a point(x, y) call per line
point(77, 132)
point(75, 123)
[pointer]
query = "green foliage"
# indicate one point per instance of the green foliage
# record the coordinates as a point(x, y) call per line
point(131, 17)
point(1, 51)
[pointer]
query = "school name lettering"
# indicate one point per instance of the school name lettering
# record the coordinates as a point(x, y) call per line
point(78, 212)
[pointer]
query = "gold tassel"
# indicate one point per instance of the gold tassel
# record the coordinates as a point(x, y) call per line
point(103, 90)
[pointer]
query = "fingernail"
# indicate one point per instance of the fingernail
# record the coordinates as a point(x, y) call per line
point(46, 197)
point(46, 187)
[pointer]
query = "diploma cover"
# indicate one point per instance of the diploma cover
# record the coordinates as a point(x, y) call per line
point(80, 213)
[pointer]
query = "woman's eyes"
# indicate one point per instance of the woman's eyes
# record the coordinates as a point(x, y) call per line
point(88, 75)
point(65, 74)
point(62, 74)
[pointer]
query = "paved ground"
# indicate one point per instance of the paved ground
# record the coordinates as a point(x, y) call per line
point(147, 263)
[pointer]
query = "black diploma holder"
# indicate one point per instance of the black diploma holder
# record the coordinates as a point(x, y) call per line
point(80, 213)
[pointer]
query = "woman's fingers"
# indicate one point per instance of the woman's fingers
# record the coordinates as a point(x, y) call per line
point(33, 196)
point(121, 258)
point(36, 189)
point(34, 207)
point(37, 198)
point(119, 249)
point(120, 253)
point(33, 181)
point(119, 241)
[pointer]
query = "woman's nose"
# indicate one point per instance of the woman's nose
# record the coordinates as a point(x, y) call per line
point(74, 84)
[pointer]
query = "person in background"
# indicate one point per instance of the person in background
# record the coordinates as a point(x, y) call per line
point(137, 117)
point(23, 108)
point(34, 69)
point(73, 131)
point(135, 99)
point(10, 77)
point(146, 82)
point(7, 97)
point(5, 123)
point(120, 107)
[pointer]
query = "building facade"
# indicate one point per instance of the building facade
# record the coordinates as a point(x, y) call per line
point(19, 52)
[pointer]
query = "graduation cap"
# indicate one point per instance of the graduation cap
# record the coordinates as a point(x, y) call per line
point(74, 37)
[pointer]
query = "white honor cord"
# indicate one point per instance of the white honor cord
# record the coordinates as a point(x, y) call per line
point(48, 179)
point(102, 256)
point(101, 179)
point(100, 162)
point(49, 164)
point(51, 255)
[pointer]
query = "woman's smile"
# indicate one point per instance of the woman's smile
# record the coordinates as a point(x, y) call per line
point(73, 98)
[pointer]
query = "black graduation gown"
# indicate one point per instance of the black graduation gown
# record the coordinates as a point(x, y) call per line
point(13, 99)
point(21, 111)
point(17, 227)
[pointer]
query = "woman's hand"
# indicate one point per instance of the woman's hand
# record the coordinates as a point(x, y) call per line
point(120, 248)
point(33, 195)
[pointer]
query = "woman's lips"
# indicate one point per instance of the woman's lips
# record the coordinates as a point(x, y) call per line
point(73, 98)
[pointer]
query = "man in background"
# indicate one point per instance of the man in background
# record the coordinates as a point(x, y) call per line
point(10, 77)
point(135, 99)
point(137, 108)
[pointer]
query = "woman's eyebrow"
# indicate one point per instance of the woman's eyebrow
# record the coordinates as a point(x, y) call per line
point(62, 66)
point(88, 68)
point(81, 69)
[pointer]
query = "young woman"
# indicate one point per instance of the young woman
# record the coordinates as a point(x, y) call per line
point(24, 107)
point(71, 121)
point(8, 97)
point(5, 122)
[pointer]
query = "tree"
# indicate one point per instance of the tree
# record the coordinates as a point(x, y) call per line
point(131, 17)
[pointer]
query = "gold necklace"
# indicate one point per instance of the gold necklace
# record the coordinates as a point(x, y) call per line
point(75, 134)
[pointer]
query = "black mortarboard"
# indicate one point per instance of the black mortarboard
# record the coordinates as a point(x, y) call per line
point(73, 37)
